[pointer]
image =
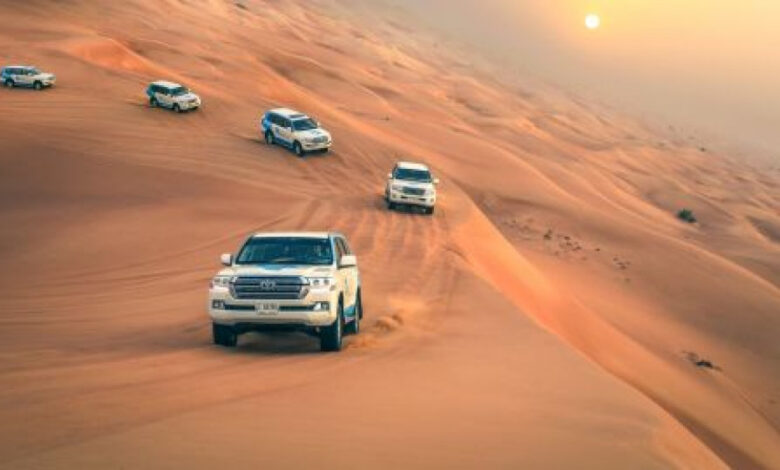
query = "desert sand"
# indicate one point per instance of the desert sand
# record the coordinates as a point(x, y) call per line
point(553, 313)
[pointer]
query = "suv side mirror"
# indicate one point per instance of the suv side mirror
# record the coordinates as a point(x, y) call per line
point(348, 261)
point(436, 181)
point(389, 176)
point(226, 259)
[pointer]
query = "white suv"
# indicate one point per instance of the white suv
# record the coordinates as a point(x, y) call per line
point(286, 282)
point(172, 95)
point(411, 184)
point(26, 76)
point(294, 130)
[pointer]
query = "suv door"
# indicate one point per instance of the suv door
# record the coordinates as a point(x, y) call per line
point(163, 97)
point(23, 77)
point(284, 130)
point(275, 124)
point(350, 276)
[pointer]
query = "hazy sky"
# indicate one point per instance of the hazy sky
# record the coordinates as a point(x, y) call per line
point(709, 64)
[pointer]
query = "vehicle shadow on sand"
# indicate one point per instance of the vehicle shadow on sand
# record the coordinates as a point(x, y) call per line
point(292, 343)
point(381, 204)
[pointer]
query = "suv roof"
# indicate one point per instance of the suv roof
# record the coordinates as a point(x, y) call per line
point(288, 113)
point(19, 67)
point(165, 84)
point(296, 234)
point(412, 166)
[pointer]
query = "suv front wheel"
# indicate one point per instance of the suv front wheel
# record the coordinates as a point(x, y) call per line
point(269, 137)
point(331, 336)
point(9, 83)
point(224, 335)
point(38, 86)
point(353, 327)
point(298, 149)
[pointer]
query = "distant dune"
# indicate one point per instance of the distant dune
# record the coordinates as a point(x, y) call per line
point(554, 313)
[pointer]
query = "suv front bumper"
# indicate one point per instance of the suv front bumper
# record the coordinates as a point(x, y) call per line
point(311, 147)
point(397, 197)
point(225, 310)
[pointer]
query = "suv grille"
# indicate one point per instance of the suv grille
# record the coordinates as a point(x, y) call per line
point(268, 288)
point(320, 140)
point(414, 191)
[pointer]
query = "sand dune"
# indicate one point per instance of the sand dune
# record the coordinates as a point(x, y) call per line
point(553, 314)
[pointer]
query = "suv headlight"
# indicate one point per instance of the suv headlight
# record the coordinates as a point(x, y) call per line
point(221, 281)
point(321, 283)
point(430, 192)
point(397, 187)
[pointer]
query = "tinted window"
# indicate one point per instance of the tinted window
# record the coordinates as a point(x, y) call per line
point(304, 124)
point(287, 250)
point(285, 122)
point(339, 248)
point(275, 119)
point(422, 176)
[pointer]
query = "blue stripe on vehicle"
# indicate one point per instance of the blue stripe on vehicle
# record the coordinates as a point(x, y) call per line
point(350, 311)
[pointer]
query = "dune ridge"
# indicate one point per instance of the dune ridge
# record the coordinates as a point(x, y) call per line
point(554, 213)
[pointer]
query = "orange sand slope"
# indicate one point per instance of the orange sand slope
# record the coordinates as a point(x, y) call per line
point(550, 315)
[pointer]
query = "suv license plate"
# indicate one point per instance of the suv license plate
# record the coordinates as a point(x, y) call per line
point(267, 309)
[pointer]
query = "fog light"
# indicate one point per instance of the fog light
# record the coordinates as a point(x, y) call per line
point(218, 304)
point(320, 306)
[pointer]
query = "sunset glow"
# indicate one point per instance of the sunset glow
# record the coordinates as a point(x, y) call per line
point(592, 21)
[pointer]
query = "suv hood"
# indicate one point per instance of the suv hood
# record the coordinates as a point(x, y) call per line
point(310, 134)
point(411, 184)
point(278, 270)
point(187, 97)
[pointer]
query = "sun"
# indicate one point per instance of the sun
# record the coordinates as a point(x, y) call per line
point(592, 21)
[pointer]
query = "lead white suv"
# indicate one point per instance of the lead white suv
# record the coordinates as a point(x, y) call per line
point(173, 96)
point(26, 76)
point(411, 184)
point(286, 282)
point(294, 130)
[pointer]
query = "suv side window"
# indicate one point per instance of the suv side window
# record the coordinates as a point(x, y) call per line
point(339, 249)
point(285, 123)
point(274, 119)
point(345, 246)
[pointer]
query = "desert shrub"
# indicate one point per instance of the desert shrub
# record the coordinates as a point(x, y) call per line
point(687, 216)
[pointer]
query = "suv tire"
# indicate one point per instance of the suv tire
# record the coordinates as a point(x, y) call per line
point(429, 210)
point(224, 335)
point(176, 108)
point(38, 86)
point(331, 337)
point(298, 149)
point(153, 102)
point(10, 83)
point(269, 137)
point(353, 327)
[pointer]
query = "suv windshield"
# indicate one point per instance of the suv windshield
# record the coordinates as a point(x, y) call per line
point(422, 176)
point(304, 124)
point(179, 91)
point(297, 251)
point(32, 71)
